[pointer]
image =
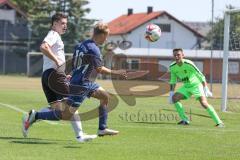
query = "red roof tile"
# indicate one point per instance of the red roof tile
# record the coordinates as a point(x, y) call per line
point(127, 23)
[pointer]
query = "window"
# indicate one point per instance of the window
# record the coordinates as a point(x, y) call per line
point(124, 65)
point(135, 64)
point(163, 65)
point(132, 64)
point(165, 27)
point(233, 67)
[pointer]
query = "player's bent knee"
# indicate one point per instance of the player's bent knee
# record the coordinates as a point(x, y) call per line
point(76, 117)
point(175, 98)
point(106, 98)
point(204, 103)
point(67, 115)
point(55, 105)
point(68, 112)
point(102, 95)
point(104, 102)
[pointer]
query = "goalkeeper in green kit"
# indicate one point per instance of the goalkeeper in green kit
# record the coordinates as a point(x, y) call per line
point(194, 83)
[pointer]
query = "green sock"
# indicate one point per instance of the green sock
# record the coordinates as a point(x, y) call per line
point(180, 110)
point(211, 111)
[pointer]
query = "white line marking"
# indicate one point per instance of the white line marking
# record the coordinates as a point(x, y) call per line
point(13, 108)
point(22, 111)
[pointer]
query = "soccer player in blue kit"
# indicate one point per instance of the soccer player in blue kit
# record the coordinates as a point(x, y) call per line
point(54, 79)
point(87, 60)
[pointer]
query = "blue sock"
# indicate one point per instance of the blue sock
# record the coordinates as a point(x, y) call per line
point(103, 115)
point(52, 115)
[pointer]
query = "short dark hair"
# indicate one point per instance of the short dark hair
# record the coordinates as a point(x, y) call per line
point(101, 28)
point(57, 17)
point(177, 49)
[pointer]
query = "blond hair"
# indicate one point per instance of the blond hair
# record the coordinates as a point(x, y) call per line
point(101, 28)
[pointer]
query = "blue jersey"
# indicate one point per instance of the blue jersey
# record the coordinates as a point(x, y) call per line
point(86, 59)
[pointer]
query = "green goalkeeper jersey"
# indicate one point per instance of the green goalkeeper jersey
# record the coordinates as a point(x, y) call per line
point(188, 73)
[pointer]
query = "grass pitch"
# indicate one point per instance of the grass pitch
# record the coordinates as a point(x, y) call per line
point(148, 130)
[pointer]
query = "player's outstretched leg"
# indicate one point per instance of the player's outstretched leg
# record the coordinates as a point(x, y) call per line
point(179, 108)
point(76, 125)
point(54, 115)
point(103, 96)
point(27, 121)
point(211, 111)
point(33, 116)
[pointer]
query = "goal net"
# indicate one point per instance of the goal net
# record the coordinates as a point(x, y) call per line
point(35, 63)
point(231, 62)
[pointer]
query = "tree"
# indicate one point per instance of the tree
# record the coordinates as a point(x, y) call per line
point(218, 31)
point(39, 17)
point(79, 27)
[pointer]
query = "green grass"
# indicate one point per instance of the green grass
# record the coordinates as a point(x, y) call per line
point(144, 135)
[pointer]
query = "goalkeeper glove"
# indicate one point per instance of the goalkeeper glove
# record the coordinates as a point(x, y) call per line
point(207, 92)
point(171, 93)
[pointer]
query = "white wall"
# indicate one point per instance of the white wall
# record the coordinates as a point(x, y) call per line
point(178, 37)
point(8, 15)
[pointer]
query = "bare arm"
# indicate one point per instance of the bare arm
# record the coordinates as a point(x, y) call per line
point(46, 50)
point(105, 70)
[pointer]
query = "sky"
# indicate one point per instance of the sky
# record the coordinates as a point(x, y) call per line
point(184, 10)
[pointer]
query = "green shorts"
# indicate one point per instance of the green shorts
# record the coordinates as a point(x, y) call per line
point(197, 91)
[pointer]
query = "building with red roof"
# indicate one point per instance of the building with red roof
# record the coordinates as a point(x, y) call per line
point(175, 33)
point(156, 57)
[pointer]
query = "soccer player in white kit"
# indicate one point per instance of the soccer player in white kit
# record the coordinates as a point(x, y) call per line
point(54, 80)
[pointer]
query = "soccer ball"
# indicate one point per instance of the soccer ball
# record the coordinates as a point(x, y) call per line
point(153, 33)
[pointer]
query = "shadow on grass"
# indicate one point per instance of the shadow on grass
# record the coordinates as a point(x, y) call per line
point(18, 138)
point(22, 140)
point(32, 142)
point(73, 147)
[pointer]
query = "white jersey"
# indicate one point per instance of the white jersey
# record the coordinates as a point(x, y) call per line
point(54, 40)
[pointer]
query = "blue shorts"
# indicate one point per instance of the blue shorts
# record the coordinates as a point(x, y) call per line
point(78, 93)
